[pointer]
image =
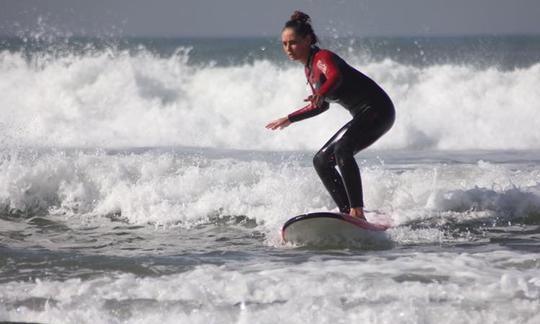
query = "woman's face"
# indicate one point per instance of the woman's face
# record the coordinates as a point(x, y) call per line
point(295, 46)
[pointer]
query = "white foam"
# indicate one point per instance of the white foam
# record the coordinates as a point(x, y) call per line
point(490, 287)
point(117, 99)
point(162, 189)
point(167, 188)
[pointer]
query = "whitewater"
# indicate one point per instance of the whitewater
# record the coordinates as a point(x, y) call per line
point(120, 99)
point(139, 184)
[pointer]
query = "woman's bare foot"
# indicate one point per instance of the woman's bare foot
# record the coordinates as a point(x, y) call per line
point(357, 212)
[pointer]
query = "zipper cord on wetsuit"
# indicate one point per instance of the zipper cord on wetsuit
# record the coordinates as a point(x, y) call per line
point(309, 64)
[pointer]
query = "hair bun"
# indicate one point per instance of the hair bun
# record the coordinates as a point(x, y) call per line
point(301, 17)
point(301, 25)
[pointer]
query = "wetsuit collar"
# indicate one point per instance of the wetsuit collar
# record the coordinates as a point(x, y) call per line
point(314, 49)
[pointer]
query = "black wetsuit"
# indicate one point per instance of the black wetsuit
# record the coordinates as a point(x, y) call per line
point(373, 115)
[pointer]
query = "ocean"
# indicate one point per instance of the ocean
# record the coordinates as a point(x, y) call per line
point(138, 183)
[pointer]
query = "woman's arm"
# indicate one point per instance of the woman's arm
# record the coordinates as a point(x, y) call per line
point(326, 65)
point(313, 109)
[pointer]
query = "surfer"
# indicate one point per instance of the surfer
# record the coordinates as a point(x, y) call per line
point(332, 80)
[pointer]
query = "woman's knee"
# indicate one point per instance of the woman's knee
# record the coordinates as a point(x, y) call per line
point(321, 160)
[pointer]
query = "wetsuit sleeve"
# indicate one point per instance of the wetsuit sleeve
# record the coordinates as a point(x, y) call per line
point(307, 112)
point(327, 65)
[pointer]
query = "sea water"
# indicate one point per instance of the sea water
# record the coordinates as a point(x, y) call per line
point(139, 185)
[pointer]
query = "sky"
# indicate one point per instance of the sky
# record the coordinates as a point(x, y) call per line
point(233, 18)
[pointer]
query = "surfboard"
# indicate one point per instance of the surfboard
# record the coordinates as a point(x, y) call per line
point(327, 229)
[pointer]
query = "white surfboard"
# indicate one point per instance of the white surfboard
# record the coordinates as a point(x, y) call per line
point(326, 229)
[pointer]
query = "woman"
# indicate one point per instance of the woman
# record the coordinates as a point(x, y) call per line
point(333, 80)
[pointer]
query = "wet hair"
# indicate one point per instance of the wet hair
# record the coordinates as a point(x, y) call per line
point(301, 24)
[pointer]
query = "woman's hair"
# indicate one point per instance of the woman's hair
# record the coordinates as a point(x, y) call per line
point(301, 24)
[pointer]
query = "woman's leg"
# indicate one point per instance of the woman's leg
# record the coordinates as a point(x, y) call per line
point(325, 165)
point(345, 187)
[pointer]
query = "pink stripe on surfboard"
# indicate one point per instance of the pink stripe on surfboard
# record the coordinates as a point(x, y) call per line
point(362, 223)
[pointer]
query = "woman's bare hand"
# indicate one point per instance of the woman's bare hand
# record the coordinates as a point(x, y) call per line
point(279, 123)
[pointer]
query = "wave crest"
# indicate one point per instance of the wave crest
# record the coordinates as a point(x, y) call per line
point(123, 99)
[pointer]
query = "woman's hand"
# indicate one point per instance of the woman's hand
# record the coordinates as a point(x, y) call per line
point(315, 99)
point(279, 123)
